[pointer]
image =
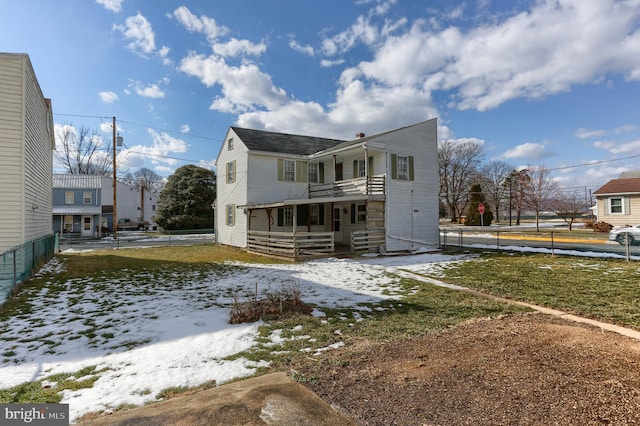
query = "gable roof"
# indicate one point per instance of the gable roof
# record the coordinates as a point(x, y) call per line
point(69, 181)
point(620, 186)
point(261, 140)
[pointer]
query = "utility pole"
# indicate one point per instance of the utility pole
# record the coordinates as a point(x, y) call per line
point(115, 186)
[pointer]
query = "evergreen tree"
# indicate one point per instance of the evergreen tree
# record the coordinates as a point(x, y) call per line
point(473, 215)
point(185, 202)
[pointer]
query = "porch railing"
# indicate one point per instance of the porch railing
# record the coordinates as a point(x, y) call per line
point(368, 240)
point(289, 244)
point(374, 185)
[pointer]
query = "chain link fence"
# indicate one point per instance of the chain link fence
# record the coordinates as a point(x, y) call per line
point(21, 262)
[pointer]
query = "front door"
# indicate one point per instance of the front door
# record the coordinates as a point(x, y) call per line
point(337, 228)
point(87, 225)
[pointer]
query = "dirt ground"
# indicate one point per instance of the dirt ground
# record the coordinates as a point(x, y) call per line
point(533, 369)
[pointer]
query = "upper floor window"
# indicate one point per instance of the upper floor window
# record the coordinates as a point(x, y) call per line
point(68, 197)
point(229, 144)
point(231, 171)
point(86, 197)
point(313, 172)
point(289, 170)
point(362, 168)
point(401, 167)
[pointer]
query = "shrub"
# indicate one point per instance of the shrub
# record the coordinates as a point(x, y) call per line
point(602, 227)
point(276, 304)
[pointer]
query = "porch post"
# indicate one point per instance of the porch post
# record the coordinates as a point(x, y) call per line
point(268, 219)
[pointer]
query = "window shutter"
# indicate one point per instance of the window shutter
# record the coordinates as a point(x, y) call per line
point(303, 215)
point(280, 170)
point(627, 205)
point(370, 167)
point(280, 216)
point(410, 168)
point(320, 172)
point(353, 213)
point(355, 169)
point(321, 214)
point(301, 171)
point(394, 166)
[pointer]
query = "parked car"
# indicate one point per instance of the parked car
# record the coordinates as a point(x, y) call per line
point(125, 224)
point(621, 235)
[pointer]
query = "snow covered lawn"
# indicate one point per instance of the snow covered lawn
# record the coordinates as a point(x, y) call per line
point(140, 333)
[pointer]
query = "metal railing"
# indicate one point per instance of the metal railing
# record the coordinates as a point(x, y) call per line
point(21, 262)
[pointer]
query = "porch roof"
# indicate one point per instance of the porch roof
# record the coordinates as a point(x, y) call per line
point(300, 201)
point(75, 210)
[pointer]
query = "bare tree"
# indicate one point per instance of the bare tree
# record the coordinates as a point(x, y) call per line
point(82, 151)
point(540, 191)
point(149, 180)
point(458, 163)
point(494, 174)
point(568, 205)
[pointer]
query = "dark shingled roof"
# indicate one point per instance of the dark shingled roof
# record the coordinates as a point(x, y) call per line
point(620, 186)
point(260, 140)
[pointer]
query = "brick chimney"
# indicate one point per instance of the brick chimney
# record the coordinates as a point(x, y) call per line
point(359, 135)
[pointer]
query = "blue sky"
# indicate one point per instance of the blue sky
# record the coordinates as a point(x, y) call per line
point(553, 83)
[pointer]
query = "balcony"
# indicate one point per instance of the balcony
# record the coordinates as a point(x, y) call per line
point(374, 185)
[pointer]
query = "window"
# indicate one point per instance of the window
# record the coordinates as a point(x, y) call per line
point(289, 170)
point(285, 216)
point(231, 171)
point(229, 144)
point(401, 167)
point(358, 213)
point(68, 224)
point(231, 215)
point(86, 197)
point(362, 169)
point(617, 206)
point(68, 197)
point(313, 172)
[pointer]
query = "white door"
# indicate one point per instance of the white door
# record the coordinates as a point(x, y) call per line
point(87, 225)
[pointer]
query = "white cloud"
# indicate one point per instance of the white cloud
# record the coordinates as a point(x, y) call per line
point(203, 24)
point(628, 148)
point(149, 90)
point(138, 30)
point(112, 5)
point(108, 97)
point(583, 133)
point(327, 63)
point(160, 153)
point(185, 128)
point(626, 128)
point(529, 150)
point(306, 50)
point(362, 31)
point(235, 47)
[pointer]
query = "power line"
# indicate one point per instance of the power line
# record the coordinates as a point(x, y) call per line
point(595, 162)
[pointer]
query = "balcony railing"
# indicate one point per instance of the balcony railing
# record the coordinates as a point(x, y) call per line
point(374, 185)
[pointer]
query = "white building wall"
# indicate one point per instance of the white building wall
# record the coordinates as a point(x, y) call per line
point(26, 169)
point(129, 201)
point(412, 206)
point(234, 193)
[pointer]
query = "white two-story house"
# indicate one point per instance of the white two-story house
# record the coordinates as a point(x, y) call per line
point(295, 195)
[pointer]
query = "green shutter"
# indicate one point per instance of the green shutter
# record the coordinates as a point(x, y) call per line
point(280, 169)
point(301, 171)
point(410, 168)
point(280, 216)
point(355, 169)
point(321, 214)
point(353, 213)
point(370, 167)
point(394, 166)
point(303, 215)
point(320, 172)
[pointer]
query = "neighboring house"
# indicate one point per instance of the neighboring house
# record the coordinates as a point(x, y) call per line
point(294, 195)
point(83, 204)
point(26, 164)
point(618, 201)
point(77, 204)
point(133, 203)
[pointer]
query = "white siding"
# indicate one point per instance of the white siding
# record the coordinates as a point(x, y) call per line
point(631, 215)
point(232, 193)
point(26, 143)
point(412, 206)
